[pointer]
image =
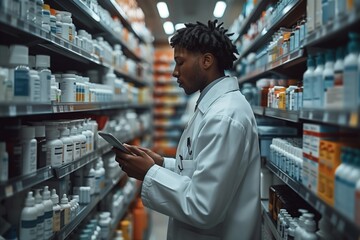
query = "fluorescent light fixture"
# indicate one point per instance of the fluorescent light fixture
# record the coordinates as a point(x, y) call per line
point(162, 9)
point(219, 9)
point(168, 27)
point(179, 25)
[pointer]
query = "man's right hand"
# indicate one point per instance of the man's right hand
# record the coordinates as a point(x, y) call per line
point(158, 159)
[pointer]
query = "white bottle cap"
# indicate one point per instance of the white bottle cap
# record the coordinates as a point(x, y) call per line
point(52, 133)
point(105, 215)
point(4, 56)
point(40, 131)
point(64, 199)
point(42, 61)
point(46, 193)
point(54, 196)
point(76, 198)
point(27, 132)
point(32, 61)
point(18, 55)
point(68, 75)
point(30, 200)
point(310, 225)
point(38, 197)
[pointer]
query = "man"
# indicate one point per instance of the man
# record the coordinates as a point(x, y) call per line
point(211, 189)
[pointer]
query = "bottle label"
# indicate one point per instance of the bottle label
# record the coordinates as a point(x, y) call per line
point(48, 224)
point(55, 154)
point(21, 83)
point(66, 216)
point(28, 229)
point(57, 221)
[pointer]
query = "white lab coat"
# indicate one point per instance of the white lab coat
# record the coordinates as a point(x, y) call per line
point(217, 193)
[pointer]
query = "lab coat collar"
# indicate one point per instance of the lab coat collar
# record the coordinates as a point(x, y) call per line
point(226, 85)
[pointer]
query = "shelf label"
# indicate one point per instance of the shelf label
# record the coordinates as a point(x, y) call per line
point(333, 219)
point(9, 190)
point(342, 119)
point(341, 225)
point(55, 109)
point(320, 207)
point(307, 196)
point(326, 117)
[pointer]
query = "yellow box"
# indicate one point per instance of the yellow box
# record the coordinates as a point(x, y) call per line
point(329, 160)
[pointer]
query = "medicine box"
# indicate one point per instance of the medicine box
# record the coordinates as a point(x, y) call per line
point(312, 135)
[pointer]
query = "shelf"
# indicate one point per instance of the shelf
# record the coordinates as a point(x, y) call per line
point(13, 25)
point(287, 115)
point(21, 183)
point(341, 223)
point(85, 210)
point(93, 22)
point(346, 118)
point(167, 92)
point(170, 104)
point(264, 36)
point(253, 16)
point(115, 10)
point(292, 59)
point(268, 221)
point(29, 109)
point(258, 110)
point(130, 78)
point(333, 30)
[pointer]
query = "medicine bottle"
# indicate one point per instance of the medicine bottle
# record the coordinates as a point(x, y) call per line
point(41, 146)
point(56, 211)
point(19, 73)
point(48, 213)
point(68, 143)
point(65, 206)
point(4, 71)
point(43, 65)
point(68, 87)
point(54, 146)
point(4, 163)
point(29, 150)
point(40, 212)
point(28, 219)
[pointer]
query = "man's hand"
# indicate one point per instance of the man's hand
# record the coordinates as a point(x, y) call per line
point(158, 159)
point(135, 166)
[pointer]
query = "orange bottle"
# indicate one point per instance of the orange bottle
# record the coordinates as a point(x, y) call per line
point(140, 220)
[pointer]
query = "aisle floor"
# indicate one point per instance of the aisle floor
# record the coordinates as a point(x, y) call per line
point(159, 223)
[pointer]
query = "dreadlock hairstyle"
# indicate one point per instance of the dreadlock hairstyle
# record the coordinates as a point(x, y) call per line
point(207, 39)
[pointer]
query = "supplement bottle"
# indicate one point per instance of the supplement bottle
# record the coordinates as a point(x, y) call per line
point(65, 206)
point(57, 211)
point(28, 219)
point(54, 146)
point(48, 213)
point(4, 163)
point(29, 149)
point(41, 147)
point(43, 65)
point(19, 73)
point(40, 213)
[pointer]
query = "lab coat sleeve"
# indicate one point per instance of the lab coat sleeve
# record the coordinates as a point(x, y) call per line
point(169, 163)
point(222, 154)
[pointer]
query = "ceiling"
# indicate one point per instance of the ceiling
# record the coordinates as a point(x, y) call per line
point(183, 11)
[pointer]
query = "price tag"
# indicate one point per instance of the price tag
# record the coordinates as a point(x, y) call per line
point(46, 175)
point(9, 190)
point(61, 108)
point(55, 109)
point(13, 21)
point(334, 219)
point(12, 110)
point(29, 109)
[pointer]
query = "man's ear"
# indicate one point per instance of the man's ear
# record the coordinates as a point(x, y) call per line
point(207, 60)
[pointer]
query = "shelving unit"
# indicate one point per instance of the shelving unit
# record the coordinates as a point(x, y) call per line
point(67, 56)
point(340, 222)
point(330, 35)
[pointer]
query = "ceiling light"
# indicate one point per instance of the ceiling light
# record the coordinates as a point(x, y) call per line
point(162, 9)
point(179, 25)
point(168, 27)
point(219, 9)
